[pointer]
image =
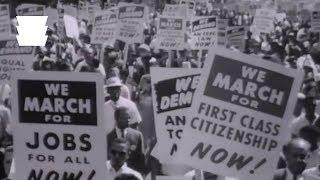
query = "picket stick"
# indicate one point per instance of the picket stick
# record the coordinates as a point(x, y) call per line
point(2, 90)
point(169, 60)
point(200, 57)
point(125, 53)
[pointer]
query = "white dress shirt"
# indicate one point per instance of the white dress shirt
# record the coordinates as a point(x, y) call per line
point(109, 108)
point(290, 176)
point(311, 174)
point(112, 173)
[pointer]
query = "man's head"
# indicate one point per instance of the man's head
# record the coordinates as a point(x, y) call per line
point(144, 51)
point(312, 135)
point(122, 116)
point(295, 153)
point(114, 88)
point(48, 64)
point(87, 52)
point(119, 153)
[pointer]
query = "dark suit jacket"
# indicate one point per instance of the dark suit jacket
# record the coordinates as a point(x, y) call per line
point(136, 159)
point(280, 174)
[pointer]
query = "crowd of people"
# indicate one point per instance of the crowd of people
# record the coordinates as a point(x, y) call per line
point(128, 98)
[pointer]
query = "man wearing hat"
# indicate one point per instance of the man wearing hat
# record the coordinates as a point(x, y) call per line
point(113, 85)
point(144, 58)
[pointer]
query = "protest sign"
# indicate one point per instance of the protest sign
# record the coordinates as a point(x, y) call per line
point(92, 9)
point(239, 115)
point(70, 10)
point(5, 24)
point(171, 33)
point(104, 27)
point(250, 6)
point(14, 58)
point(52, 16)
point(315, 21)
point(305, 15)
point(190, 6)
point(30, 10)
point(152, 4)
point(203, 32)
point(58, 130)
point(71, 25)
point(131, 22)
point(292, 13)
point(263, 21)
point(172, 93)
point(175, 10)
point(130, 31)
point(132, 11)
point(236, 37)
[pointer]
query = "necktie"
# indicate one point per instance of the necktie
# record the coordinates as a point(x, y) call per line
point(122, 133)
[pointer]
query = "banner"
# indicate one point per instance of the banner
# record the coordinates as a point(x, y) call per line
point(5, 24)
point(30, 10)
point(131, 22)
point(236, 37)
point(104, 27)
point(315, 21)
point(240, 116)
point(58, 130)
point(71, 25)
point(172, 93)
point(175, 10)
point(14, 58)
point(171, 33)
point(203, 33)
point(263, 21)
